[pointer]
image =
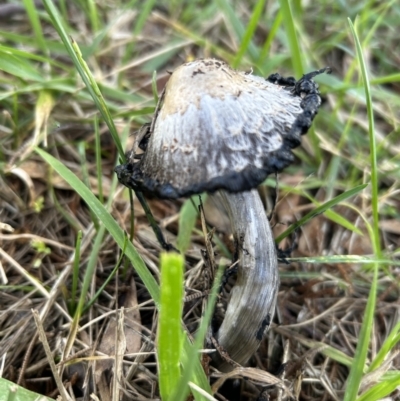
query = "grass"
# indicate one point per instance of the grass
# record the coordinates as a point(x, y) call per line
point(170, 333)
point(75, 80)
point(357, 368)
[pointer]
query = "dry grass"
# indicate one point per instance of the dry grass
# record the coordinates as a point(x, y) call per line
point(321, 303)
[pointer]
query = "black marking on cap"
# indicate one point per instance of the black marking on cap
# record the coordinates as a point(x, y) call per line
point(132, 177)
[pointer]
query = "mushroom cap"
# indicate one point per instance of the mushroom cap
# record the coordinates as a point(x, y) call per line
point(219, 129)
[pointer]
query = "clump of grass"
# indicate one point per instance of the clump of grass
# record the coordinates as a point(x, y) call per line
point(71, 96)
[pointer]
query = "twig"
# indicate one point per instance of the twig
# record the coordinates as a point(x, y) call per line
point(49, 355)
point(26, 359)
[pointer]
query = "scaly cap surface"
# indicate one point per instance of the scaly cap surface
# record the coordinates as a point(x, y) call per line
point(220, 129)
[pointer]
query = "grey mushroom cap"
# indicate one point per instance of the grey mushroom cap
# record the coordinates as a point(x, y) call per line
point(221, 129)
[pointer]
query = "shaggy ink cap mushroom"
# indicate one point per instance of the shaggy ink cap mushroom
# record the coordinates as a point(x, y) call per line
point(224, 131)
point(221, 129)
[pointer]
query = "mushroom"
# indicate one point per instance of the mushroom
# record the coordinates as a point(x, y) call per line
point(223, 130)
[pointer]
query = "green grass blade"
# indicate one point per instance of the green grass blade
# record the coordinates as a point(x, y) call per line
point(12, 392)
point(196, 372)
point(248, 34)
point(226, 7)
point(372, 146)
point(342, 221)
point(93, 15)
point(85, 175)
point(271, 36)
point(321, 209)
point(31, 10)
point(89, 272)
point(6, 50)
point(381, 390)
point(187, 220)
point(84, 72)
point(98, 159)
point(391, 341)
point(75, 271)
point(357, 368)
point(297, 57)
point(19, 67)
point(108, 279)
point(138, 27)
point(143, 16)
point(193, 349)
point(170, 333)
point(105, 217)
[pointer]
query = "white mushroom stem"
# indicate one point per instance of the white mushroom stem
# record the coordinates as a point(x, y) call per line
point(253, 298)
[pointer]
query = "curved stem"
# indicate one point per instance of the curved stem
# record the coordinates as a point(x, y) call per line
point(253, 298)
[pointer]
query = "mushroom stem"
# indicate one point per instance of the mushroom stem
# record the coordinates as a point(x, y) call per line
point(253, 298)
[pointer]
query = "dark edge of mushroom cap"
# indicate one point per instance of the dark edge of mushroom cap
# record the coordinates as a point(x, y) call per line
point(131, 175)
